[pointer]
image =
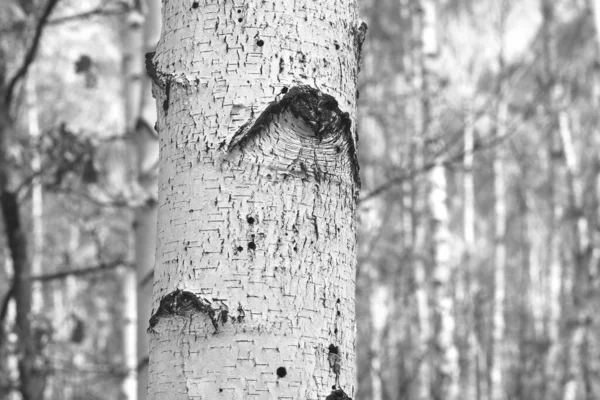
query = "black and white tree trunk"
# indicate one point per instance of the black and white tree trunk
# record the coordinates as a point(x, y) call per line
point(254, 292)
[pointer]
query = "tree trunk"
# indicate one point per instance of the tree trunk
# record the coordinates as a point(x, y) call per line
point(575, 387)
point(255, 263)
point(145, 215)
point(446, 361)
point(497, 384)
point(418, 203)
point(37, 237)
point(472, 386)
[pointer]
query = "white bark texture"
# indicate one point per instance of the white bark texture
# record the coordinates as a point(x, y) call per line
point(133, 89)
point(255, 264)
point(497, 380)
point(446, 356)
point(37, 205)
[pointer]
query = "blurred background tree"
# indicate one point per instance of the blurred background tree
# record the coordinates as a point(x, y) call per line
point(479, 215)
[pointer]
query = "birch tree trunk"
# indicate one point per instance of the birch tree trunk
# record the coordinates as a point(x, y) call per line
point(497, 384)
point(552, 373)
point(472, 386)
point(577, 360)
point(37, 227)
point(254, 277)
point(146, 143)
point(421, 120)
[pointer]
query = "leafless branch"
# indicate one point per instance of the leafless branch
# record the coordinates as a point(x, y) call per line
point(30, 54)
point(103, 267)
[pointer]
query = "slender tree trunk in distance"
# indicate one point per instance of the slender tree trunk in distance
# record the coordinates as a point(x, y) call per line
point(255, 264)
point(37, 237)
point(421, 120)
point(31, 376)
point(446, 362)
point(145, 220)
point(577, 360)
point(552, 374)
point(445, 384)
point(497, 370)
point(472, 385)
point(133, 71)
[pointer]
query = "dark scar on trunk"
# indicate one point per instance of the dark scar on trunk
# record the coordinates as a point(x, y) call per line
point(318, 110)
point(183, 303)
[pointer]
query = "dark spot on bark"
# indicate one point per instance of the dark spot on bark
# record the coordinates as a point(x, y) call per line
point(260, 42)
point(335, 331)
point(250, 221)
point(281, 372)
point(338, 149)
point(338, 301)
point(191, 211)
point(295, 249)
point(269, 177)
point(168, 95)
point(337, 46)
point(240, 19)
point(252, 246)
point(195, 4)
point(220, 390)
point(284, 90)
point(240, 248)
point(339, 313)
point(280, 65)
point(337, 394)
point(333, 349)
point(239, 11)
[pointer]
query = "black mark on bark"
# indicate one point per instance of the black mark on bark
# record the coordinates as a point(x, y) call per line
point(338, 394)
point(359, 33)
point(167, 97)
point(151, 67)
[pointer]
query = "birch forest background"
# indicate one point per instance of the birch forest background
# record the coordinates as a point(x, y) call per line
point(479, 231)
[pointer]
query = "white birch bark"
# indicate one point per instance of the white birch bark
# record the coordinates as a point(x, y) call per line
point(577, 360)
point(421, 120)
point(255, 263)
point(497, 367)
point(472, 385)
point(37, 208)
point(446, 363)
point(146, 143)
point(133, 72)
point(555, 284)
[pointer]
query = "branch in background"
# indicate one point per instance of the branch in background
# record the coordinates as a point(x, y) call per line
point(96, 12)
point(30, 55)
point(446, 161)
point(102, 11)
point(4, 306)
point(103, 267)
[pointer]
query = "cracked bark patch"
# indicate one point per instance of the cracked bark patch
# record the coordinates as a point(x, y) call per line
point(304, 134)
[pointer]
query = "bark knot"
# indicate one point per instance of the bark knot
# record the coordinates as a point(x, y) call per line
point(182, 303)
point(307, 130)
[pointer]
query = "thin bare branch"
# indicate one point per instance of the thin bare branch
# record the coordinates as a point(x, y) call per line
point(31, 52)
point(103, 267)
